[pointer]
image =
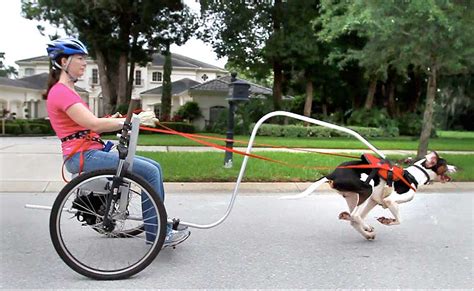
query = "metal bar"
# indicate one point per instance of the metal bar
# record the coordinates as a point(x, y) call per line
point(42, 207)
point(249, 149)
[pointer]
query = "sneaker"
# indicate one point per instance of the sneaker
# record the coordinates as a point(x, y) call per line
point(175, 237)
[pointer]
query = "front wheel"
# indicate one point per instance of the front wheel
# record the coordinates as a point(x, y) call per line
point(127, 244)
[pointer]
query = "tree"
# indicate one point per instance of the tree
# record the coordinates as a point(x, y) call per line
point(301, 48)
point(433, 36)
point(115, 31)
point(6, 71)
point(249, 33)
point(171, 27)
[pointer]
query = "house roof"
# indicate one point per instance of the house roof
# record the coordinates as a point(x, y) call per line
point(222, 85)
point(177, 61)
point(176, 87)
point(37, 82)
point(34, 59)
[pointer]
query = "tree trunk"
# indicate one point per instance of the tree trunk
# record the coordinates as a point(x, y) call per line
point(324, 101)
point(131, 79)
point(415, 94)
point(131, 73)
point(276, 61)
point(167, 88)
point(428, 115)
point(392, 105)
point(309, 98)
point(108, 92)
point(122, 79)
point(369, 101)
point(277, 85)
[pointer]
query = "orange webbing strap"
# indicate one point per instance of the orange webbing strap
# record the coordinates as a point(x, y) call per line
point(87, 138)
point(191, 137)
point(383, 167)
point(172, 131)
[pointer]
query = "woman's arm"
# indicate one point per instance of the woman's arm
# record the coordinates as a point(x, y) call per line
point(82, 116)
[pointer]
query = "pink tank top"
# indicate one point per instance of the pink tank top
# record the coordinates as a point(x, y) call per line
point(60, 98)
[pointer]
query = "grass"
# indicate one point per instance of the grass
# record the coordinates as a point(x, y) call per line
point(455, 134)
point(208, 167)
point(454, 141)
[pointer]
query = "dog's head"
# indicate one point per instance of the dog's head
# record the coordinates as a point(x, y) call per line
point(438, 167)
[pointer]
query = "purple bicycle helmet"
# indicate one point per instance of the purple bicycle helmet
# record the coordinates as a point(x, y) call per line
point(66, 46)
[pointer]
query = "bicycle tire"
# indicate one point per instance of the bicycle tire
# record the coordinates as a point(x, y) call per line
point(64, 245)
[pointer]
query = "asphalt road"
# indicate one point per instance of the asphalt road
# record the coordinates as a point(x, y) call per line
point(265, 243)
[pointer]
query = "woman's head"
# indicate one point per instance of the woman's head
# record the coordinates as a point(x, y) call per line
point(68, 56)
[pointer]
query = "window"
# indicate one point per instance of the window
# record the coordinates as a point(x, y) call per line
point(138, 78)
point(29, 71)
point(95, 76)
point(204, 77)
point(156, 77)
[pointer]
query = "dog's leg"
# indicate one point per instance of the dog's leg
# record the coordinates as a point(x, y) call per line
point(358, 224)
point(354, 217)
point(351, 199)
point(392, 202)
point(363, 214)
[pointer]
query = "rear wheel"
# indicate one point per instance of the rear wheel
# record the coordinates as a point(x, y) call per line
point(124, 247)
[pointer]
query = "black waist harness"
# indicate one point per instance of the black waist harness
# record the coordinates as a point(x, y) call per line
point(82, 134)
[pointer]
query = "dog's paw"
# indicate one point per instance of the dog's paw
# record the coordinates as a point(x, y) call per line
point(344, 215)
point(370, 236)
point(387, 221)
point(369, 228)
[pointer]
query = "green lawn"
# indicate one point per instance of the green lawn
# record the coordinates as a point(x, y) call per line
point(456, 141)
point(208, 167)
point(456, 134)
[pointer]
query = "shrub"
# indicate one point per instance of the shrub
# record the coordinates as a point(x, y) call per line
point(190, 111)
point(12, 128)
point(319, 131)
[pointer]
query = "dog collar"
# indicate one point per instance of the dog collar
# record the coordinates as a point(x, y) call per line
point(424, 172)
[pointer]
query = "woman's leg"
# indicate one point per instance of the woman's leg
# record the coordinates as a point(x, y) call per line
point(95, 160)
point(159, 184)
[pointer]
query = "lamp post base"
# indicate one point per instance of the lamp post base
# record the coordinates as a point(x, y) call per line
point(228, 164)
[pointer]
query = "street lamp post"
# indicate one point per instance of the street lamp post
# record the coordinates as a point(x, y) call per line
point(238, 92)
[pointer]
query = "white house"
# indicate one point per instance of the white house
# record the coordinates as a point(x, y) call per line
point(192, 80)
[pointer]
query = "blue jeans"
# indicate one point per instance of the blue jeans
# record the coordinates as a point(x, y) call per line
point(146, 168)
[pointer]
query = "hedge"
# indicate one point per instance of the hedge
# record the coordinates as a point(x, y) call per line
point(28, 126)
point(319, 131)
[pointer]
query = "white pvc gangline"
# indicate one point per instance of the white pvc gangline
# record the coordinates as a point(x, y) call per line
point(249, 149)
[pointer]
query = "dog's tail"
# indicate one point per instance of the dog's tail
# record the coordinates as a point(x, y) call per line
point(308, 191)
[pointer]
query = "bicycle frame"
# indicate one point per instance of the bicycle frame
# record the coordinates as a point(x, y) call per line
point(249, 149)
point(129, 139)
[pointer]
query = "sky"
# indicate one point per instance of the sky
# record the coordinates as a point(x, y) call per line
point(20, 39)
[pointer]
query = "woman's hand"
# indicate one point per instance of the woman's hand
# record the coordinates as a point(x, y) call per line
point(116, 115)
point(148, 118)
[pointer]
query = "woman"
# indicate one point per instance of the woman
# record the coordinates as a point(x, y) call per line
point(71, 119)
